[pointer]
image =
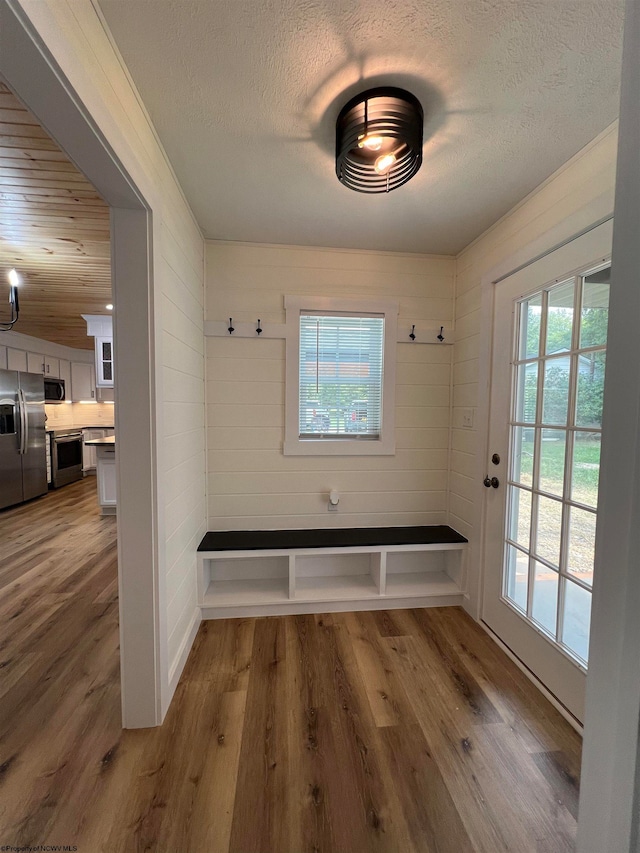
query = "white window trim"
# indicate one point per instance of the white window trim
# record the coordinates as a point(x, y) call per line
point(385, 445)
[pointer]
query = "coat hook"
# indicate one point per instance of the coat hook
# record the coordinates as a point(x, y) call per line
point(441, 336)
point(413, 333)
point(231, 330)
point(258, 330)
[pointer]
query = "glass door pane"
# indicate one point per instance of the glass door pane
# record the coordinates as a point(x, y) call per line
point(554, 464)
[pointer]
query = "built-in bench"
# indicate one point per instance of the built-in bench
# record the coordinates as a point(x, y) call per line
point(273, 572)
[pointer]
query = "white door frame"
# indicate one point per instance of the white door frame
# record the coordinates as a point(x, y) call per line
point(610, 784)
point(610, 789)
point(30, 70)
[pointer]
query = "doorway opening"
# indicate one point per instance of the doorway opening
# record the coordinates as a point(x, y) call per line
point(31, 73)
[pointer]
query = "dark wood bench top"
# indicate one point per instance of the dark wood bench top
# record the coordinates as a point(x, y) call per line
point(346, 537)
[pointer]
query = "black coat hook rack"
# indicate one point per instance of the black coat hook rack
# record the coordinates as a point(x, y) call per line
point(413, 333)
point(259, 329)
point(231, 330)
point(441, 336)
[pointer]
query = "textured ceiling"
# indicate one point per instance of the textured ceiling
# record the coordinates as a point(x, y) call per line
point(244, 97)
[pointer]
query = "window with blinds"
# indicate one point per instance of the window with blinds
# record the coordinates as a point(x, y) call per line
point(341, 374)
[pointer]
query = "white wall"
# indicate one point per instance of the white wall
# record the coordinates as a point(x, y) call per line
point(73, 33)
point(250, 483)
point(182, 451)
point(576, 196)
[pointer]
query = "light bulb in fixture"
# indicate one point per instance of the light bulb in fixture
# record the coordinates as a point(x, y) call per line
point(372, 143)
point(109, 307)
point(384, 163)
point(372, 125)
point(14, 278)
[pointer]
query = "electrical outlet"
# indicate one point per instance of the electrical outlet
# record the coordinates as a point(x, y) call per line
point(332, 507)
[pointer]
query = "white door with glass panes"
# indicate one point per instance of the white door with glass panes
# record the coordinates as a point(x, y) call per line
point(549, 349)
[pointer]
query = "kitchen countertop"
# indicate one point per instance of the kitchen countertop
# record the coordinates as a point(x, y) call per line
point(97, 442)
point(76, 429)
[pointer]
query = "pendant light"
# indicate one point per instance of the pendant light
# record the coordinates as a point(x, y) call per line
point(379, 140)
point(14, 281)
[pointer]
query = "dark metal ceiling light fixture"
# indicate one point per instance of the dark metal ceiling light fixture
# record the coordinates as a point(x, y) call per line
point(379, 140)
point(14, 280)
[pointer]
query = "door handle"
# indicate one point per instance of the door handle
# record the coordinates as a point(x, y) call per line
point(491, 482)
point(23, 422)
point(26, 424)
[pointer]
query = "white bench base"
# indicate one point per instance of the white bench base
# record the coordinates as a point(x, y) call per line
point(277, 582)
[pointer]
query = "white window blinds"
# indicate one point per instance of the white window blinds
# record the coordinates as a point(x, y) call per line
point(341, 369)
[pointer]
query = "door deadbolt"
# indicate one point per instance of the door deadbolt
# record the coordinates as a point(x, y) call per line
point(496, 458)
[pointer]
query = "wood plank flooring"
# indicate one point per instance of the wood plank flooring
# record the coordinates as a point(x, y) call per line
point(397, 732)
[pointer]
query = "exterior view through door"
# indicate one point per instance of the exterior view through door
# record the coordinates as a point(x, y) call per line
point(549, 351)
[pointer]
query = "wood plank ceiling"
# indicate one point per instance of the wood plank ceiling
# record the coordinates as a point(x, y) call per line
point(54, 229)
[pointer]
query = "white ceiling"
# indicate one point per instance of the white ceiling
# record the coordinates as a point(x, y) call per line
point(244, 96)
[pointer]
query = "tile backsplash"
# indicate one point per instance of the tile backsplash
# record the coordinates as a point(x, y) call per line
point(60, 416)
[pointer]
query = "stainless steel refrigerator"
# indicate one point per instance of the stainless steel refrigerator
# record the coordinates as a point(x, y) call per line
point(23, 459)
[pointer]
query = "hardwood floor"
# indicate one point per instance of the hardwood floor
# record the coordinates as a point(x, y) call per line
point(393, 731)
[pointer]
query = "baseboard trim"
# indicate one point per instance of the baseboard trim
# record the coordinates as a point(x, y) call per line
point(557, 704)
point(181, 658)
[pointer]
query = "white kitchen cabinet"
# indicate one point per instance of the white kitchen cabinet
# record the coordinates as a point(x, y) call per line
point(104, 362)
point(89, 458)
point(65, 375)
point(44, 364)
point(100, 327)
point(83, 381)
point(106, 474)
point(35, 363)
point(105, 395)
point(29, 360)
point(16, 359)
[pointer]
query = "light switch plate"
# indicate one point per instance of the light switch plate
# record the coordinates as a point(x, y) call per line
point(467, 418)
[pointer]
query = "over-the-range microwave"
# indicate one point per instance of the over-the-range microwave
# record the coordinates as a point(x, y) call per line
point(54, 391)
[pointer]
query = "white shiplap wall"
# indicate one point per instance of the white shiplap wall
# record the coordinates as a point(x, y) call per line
point(576, 196)
point(74, 34)
point(250, 483)
point(183, 441)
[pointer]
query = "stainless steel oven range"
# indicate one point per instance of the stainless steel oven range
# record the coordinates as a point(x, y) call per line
point(66, 456)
